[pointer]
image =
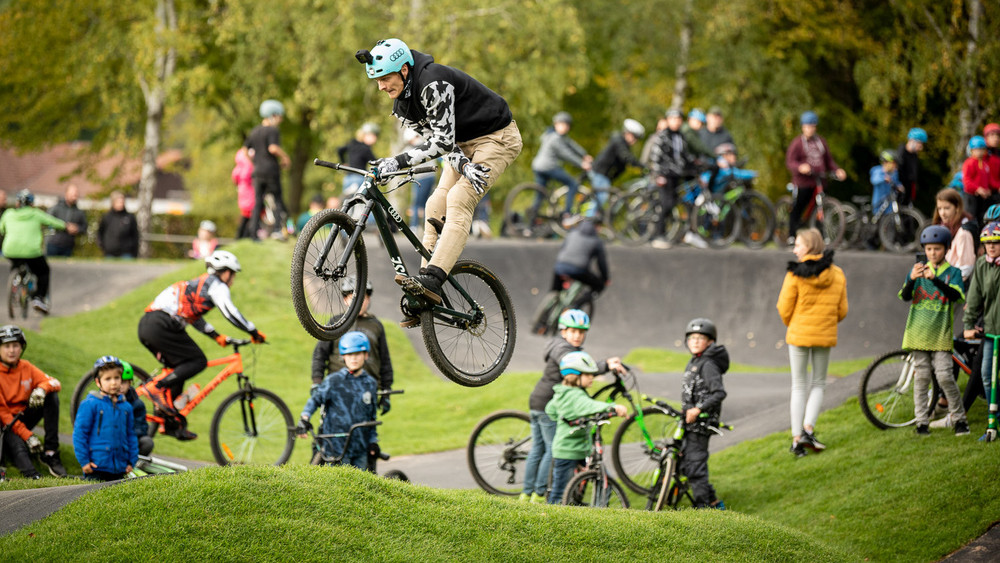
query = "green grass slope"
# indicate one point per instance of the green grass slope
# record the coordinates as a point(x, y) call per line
point(324, 514)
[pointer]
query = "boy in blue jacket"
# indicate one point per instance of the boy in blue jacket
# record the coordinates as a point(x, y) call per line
point(348, 396)
point(103, 435)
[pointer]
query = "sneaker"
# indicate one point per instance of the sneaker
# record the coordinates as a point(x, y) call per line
point(961, 428)
point(537, 498)
point(923, 430)
point(54, 464)
point(945, 422)
point(523, 497)
point(661, 243)
point(410, 322)
point(161, 398)
point(797, 449)
point(40, 306)
point(694, 240)
point(427, 283)
point(718, 505)
point(809, 440)
point(181, 432)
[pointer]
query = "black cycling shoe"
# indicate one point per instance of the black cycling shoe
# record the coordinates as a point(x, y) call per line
point(797, 449)
point(809, 440)
point(53, 463)
point(427, 283)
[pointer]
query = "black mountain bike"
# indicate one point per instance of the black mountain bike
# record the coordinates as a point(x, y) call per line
point(469, 336)
point(593, 486)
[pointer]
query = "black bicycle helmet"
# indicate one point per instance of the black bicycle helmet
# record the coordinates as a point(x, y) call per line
point(349, 284)
point(936, 234)
point(701, 326)
point(25, 197)
point(11, 333)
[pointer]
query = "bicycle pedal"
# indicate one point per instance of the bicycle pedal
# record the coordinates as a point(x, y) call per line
point(413, 287)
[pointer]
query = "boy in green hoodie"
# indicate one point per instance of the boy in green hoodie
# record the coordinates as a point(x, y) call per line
point(570, 402)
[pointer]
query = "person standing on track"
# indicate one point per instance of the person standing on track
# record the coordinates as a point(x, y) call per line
point(268, 160)
point(459, 119)
point(808, 159)
point(162, 331)
point(813, 300)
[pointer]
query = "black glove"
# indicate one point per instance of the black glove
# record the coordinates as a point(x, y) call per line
point(383, 403)
point(374, 450)
point(303, 427)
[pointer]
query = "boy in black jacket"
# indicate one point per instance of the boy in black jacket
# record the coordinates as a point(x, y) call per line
point(701, 402)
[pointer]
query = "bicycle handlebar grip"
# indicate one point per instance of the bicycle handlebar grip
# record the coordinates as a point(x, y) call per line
point(423, 168)
point(391, 392)
point(319, 162)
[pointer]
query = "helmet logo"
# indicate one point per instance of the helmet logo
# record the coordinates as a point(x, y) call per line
point(397, 54)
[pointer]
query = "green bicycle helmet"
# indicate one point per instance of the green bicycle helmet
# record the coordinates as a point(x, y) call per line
point(576, 363)
point(128, 374)
point(386, 57)
point(574, 318)
point(887, 156)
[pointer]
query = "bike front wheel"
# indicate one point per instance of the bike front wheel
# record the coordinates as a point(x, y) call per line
point(86, 385)
point(717, 221)
point(497, 450)
point(631, 454)
point(470, 336)
point(668, 489)
point(756, 219)
point(833, 222)
point(594, 489)
point(252, 427)
point(886, 392)
point(316, 280)
point(900, 232)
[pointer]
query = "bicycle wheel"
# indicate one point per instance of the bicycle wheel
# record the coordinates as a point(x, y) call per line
point(527, 213)
point(886, 391)
point(590, 488)
point(832, 222)
point(717, 221)
point(756, 219)
point(668, 487)
point(642, 211)
point(584, 203)
point(782, 214)
point(86, 385)
point(252, 426)
point(900, 232)
point(630, 453)
point(472, 346)
point(397, 475)
point(497, 450)
point(541, 320)
point(316, 287)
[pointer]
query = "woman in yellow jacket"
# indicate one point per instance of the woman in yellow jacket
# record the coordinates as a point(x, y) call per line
point(812, 301)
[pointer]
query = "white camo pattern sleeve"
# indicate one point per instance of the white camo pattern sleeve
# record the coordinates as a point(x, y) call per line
point(438, 99)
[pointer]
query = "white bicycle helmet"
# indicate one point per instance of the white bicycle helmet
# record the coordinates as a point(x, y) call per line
point(577, 363)
point(634, 127)
point(222, 260)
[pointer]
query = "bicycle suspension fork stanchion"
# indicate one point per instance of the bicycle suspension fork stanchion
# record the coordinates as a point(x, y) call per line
point(991, 417)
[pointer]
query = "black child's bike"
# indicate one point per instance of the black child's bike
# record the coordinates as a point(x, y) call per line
point(469, 335)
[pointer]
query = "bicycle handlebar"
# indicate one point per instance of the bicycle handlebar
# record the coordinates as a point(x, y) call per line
point(420, 169)
point(391, 392)
point(584, 420)
point(348, 435)
point(678, 414)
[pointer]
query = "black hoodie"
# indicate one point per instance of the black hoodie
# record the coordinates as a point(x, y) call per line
point(702, 386)
point(446, 106)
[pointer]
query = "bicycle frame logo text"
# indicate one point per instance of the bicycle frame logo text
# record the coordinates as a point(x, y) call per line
point(397, 264)
point(395, 215)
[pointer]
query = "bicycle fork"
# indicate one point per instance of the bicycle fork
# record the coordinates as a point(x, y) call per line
point(991, 418)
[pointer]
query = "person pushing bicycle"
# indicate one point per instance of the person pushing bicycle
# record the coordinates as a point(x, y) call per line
point(808, 158)
point(162, 331)
point(459, 119)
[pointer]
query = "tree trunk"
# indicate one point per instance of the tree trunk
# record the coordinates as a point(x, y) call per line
point(300, 160)
point(155, 94)
point(683, 56)
point(970, 114)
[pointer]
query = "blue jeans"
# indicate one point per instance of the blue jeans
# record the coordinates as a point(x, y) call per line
point(601, 185)
point(562, 472)
point(420, 194)
point(360, 461)
point(536, 470)
point(352, 182)
point(542, 177)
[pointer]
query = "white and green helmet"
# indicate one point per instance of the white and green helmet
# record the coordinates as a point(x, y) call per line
point(386, 57)
point(574, 318)
point(575, 363)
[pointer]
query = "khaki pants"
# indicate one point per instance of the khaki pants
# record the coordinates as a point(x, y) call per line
point(454, 199)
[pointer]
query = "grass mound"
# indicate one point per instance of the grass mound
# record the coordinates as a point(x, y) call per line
point(322, 514)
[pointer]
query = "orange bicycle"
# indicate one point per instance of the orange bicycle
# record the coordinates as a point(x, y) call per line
point(250, 426)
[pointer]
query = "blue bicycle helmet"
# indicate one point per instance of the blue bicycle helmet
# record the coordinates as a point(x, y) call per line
point(917, 134)
point(574, 318)
point(809, 118)
point(575, 363)
point(106, 362)
point(271, 108)
point(353, 342)
point(977, 142)
point(386, 57)
point(697, 114)
point(993, 213)
point(936, 234)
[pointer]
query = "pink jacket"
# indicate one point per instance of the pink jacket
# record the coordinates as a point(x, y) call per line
point(243, 178)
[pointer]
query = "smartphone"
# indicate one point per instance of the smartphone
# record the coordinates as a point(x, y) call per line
point(921, 258)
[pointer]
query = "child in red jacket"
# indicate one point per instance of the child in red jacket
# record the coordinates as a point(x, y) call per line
point(980, 178)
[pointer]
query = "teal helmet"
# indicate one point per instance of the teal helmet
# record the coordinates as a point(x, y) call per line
point(977, 142)
point(993, 213)
point(353, 342)
point(271, 108)
point(917, 134)
point(574, 318)
point(575, 363)
point(386, 57)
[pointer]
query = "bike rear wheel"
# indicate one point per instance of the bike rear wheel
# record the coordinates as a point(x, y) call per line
point(886, 391)
point(497, 450)
point(86, 385)
point(853, 225)
point(833, 222)
point(527, 212)
point(630, 453)
point(584, 204)
point(474, 346)
point(782, 214)
point(900, 232)
point(717, 221)
point(756, 219)
point(594, 489)
point(641, 214)
point(318, 302)
point(252, 426)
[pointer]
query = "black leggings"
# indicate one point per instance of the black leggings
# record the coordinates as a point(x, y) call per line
point(40, 267)
point(803, 198)
point(15, 448)
point(668, 199)
point(166, 338)
point(262, 187)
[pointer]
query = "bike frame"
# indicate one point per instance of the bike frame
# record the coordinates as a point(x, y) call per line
point(234, 365)
point(991, 417)
point(375, 203)
point(617, 389)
